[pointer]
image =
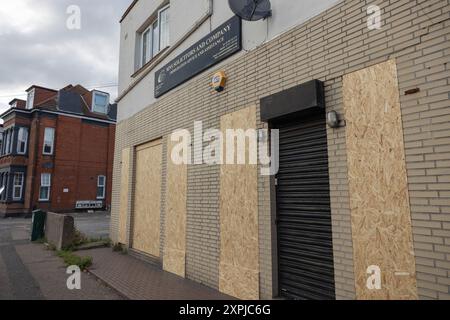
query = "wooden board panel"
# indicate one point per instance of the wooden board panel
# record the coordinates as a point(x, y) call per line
point(239, 255)
point(124, 196)
point(175, 218)
point(147, 199)
point(379, 199)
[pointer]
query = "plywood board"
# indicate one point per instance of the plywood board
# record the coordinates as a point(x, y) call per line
point(175, 216)
point(239, 255)
point(147, 199)
point(379, 199)
point(124, 196)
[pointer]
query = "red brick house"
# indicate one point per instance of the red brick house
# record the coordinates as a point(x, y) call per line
point(56, 151)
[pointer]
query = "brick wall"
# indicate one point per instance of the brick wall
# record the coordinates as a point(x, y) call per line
point(416, 33)
point(82, 151)
point(41, 95)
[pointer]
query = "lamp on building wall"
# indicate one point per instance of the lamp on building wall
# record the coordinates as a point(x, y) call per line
point(334, 121)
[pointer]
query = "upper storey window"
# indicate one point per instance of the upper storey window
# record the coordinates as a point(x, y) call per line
point(100, 102)
point(30, 99)
point(156, 37)
point(49, 141)
point(22, 141)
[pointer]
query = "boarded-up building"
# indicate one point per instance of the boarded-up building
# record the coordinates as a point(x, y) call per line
point(359, 208)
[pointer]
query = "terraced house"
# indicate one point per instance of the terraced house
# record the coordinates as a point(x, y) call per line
point(56, 151)
point(359, 91)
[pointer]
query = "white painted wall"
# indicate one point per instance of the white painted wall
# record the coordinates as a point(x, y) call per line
point(183, 16)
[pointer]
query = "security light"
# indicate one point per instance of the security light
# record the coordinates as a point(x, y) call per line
point(333, 119)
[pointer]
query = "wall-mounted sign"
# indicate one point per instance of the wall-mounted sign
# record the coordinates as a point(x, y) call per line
point(89, 204)
point(218, 81)
point(220, 44)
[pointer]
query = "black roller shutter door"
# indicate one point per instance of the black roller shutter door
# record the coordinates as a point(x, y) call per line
point(305, 253)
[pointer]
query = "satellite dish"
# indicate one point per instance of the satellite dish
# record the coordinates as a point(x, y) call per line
point(251, 10)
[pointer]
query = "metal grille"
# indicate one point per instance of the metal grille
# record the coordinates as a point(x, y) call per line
point(305, 253)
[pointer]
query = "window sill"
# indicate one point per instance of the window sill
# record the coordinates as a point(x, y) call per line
point(149, 63)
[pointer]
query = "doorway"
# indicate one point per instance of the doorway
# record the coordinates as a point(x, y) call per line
point(147, 199)
point(305, 249)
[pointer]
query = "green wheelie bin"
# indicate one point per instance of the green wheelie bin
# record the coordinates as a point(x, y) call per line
point(37, 225)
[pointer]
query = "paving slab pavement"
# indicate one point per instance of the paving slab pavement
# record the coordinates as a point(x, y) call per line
point(30, 272)
point(138, 280)
point(49, 272)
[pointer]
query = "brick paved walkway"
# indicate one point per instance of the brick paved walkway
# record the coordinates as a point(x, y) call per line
point(139, 280)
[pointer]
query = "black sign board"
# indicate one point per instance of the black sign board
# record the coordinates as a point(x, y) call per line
point(215, 47)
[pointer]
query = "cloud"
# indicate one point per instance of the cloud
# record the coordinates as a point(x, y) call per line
point(36, 47)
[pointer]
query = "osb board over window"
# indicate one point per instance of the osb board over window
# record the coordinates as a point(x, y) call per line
point(147, 198)
point(239, 263)
point(379, 199)
point(175, 219)
point(124, 195)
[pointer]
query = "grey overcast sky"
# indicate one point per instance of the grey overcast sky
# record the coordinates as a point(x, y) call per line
point(36, 47)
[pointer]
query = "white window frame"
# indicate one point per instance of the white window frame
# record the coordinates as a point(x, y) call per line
point(30, 99)
point(155, 38)
point(45, 185)
point(143, 55)
point(15, 185)
point(52, 142)
point(152, 51)
point(4, 186)
point(101, 186)
point(22, 130)
point(159, 28)
point(7, 141)
point(104, 94)
point(11, 144)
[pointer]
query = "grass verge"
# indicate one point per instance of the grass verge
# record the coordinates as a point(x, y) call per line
point(71, 259)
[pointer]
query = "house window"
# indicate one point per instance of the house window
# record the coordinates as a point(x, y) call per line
point(44, 191)
point(1, 143)
point(18, 186)
point(4, 186)
point(22, 141)
point(100, 101)
point(49, 140)
point(30, 99)
point(146, 46)
point(101, 187)
point(11, 139)
point(164, 28)
point(156, 37)
point(8, 141)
